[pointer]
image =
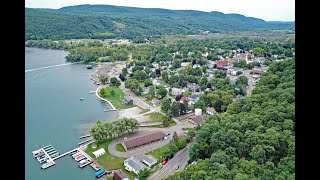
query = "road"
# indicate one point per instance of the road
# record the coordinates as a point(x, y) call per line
point(136, 99)
point(181, 158)
point(250, 86)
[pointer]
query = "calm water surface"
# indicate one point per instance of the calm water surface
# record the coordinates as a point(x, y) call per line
point(55, 115)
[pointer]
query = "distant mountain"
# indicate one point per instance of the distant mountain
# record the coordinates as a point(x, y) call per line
point(106, 21)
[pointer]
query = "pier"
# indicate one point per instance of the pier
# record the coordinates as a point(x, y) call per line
point(85, 141)
point(85, 136)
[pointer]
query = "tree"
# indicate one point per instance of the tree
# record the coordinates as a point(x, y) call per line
point(124, 71)
point(220, 74)
point(114, 82)
point(200, 104)
point(143, 174)
point(212, 57)
point(112, 93)
point(175, 109)
point(165, 76)
point(175, 137)
point(242, 80)
point(140, 75)
point(151, 91)
point(238, 73)
point(166, 105)
point(162, 92)
point(148, 82)
point(103, 92)
point(166, 120)
point(103, 79)
point(258, 51)
point(217, 105)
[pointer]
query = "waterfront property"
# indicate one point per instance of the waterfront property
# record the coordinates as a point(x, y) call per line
point(134, 165)
point(141, 140)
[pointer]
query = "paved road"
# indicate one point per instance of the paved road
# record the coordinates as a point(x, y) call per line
point(181, 158)
point(250, 86)
point(136, 100)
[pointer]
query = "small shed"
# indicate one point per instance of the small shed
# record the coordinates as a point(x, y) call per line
point(99, 152)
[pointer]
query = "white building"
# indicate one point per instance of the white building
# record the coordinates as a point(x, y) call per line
point(176, 91)
point(210, 111)
point(184, 64)
point(99, 152)
point(233, 70)
point(155, 64)
point(149, 160)
point(134, 165)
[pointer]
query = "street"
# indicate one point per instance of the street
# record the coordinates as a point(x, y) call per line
point(181, 158)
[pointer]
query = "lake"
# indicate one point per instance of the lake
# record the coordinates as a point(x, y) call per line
point(54, 113)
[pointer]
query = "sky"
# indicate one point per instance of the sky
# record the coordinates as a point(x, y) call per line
point(269, 10)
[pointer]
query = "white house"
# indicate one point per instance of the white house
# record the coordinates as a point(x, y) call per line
point(149, 160)
point(210, 111)
point(176, 91)
point(99, 152)
point(134, 165)
point(193, 98)
point(155, 64)
point(196, 65)
point(233, 70)
point(184, 64)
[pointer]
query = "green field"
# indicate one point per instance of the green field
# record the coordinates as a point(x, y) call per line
point(120, 148)
point(108, 161)
point(116, 100)
point(157, 152)
point(160, 126)
point(155, 117)
point(144, 111)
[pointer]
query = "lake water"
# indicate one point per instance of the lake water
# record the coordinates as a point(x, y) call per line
point(55, 115)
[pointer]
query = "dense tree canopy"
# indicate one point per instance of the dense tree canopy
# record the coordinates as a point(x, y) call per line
point(255, 139)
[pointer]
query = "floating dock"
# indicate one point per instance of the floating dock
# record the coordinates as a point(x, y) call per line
point(85, 136)
point(86, 141)
point(95, 166)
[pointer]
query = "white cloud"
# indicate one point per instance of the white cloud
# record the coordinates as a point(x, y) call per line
point(270, 10)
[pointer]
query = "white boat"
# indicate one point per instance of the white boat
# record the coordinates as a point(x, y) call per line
point(76, 154)
point(80, 158)
point(43, 160)
point(81, 99)
point(85, 162)
point(48, 164)
point(92, 92)
point(37, 153)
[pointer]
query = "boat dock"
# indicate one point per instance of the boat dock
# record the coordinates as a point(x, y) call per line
point(85, 136)
point(61, 155)
point(95, 166)
point(86, 141)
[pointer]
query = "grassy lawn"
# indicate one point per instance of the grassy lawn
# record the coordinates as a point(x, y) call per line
point(160, 126)
point(188, 129)
point(120, 148)
point(157, 152)
point(116, 100)
point(144, 111)
point(155, 117)
point(108, 161)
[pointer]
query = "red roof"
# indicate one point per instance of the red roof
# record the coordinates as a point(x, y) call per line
point(143, 139)
point(119, 175)
point(221, 63)
point(184, 98)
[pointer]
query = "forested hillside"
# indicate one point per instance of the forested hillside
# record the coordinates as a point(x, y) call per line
point(105, 21)
point(255, 139)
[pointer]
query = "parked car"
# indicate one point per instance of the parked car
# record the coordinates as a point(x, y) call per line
point(177, 167)
point(164, 162)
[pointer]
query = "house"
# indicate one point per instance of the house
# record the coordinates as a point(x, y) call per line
point(176, 91)
point(181, 134)
point(185, 99)
point(233, 70)
point(156, 82)
point(211, 64)
point(193, 98)
point(259, 72)
point(132, 164)
point(184, 64)
point(119, 175)
point(155, 102)
point(149, 160)
point(193, 86)
point(259, 59)
point(196, 65)
point(127, 100)
point(222, 63)
point(197, 119)
point(205, 55)
point(155, 65)
point(210, 111)
point(143, 139)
